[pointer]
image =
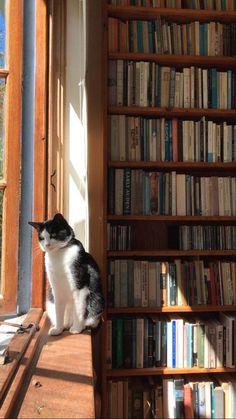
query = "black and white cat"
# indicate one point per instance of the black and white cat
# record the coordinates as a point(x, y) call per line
point(75, 299)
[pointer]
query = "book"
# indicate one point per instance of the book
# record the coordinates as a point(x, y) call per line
point(188, 402)
point(179, 398)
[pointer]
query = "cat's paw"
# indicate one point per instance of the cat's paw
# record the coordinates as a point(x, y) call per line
point(54, 331)
point(75, 330)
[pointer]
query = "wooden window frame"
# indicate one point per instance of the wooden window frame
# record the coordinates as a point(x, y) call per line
point(40, 149)
point(11, 181)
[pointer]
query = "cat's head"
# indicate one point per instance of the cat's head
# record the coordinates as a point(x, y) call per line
point(53, 234)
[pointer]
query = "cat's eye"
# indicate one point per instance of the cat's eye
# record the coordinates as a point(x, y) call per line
point(53, 235)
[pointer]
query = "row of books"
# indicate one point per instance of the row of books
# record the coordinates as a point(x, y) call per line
point(144, 83)
point(188, 237)
point(210, 237)
point(162, 37)
point(172, 341)
point(143, 283)
point(134, 138)
point(118, 236)
point(228, 5)
point(175, 397)
point(137, 191)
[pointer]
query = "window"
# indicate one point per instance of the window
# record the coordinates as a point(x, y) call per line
point(10, 119)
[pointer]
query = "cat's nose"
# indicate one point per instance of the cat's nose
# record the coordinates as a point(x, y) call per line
point(47, 245)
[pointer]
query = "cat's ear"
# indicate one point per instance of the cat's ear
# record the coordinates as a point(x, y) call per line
point(59, 218)
point(38, 226)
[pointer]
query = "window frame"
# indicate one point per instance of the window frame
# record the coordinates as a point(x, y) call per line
point(11, 181)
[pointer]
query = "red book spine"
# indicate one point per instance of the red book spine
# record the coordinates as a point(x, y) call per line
point(188, 402)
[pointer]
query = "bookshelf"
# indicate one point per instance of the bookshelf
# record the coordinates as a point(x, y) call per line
point(141, 240)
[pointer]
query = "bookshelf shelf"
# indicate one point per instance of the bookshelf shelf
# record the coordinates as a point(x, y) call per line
point(154, 273)
point(224, 114)
point(172, 15)
point(171, 253)
point(176, 309)
point(165, 371)
point(178, 61)
point(174, 165)
point(173, 218)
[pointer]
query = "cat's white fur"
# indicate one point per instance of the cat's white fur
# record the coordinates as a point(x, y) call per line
point(67, 311)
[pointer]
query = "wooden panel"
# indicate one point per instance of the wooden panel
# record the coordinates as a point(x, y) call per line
point(12, 165)
point(56, 135)
point(62, 382)
point(166, 371)
point(39, 150)
point(178, 61)
point(171, 14)
point(171, 309)
point(174, 112)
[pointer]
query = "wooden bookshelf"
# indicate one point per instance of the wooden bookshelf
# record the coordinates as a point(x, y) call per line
point(173, 218)
point(146, 225)
point(174, 165)
point(171, 253)
point(166, 371)
point(178, 61)
point(219, 114)
point(173, 15)
point(171, 309)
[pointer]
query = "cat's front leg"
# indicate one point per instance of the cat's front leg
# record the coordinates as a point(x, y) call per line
point(58, 327)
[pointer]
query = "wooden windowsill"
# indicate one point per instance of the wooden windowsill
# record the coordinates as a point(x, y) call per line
point(54, 378)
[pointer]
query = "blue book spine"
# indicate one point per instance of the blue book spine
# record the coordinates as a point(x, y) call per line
point(201, 34)
point(213, 88)
point(173, 343)
point(133, 333)
point(170, 140)
point(205, 44)
point(212, 401)
point(139, 24)
point(190, 346)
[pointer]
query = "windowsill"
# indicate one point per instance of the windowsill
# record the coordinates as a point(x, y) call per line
point(54, 378)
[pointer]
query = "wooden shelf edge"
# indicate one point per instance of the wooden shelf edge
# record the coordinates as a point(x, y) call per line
point(171, 14)
point(177, 60)
point(166, 371)
point(174, 165)
point(172, 112)
point(171, 309)
point(172, 218)
point(171, 253)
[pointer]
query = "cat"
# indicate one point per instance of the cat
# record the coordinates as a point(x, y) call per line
point(75, 300)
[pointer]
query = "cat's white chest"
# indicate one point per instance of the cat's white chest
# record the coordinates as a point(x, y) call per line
point(59, 266)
